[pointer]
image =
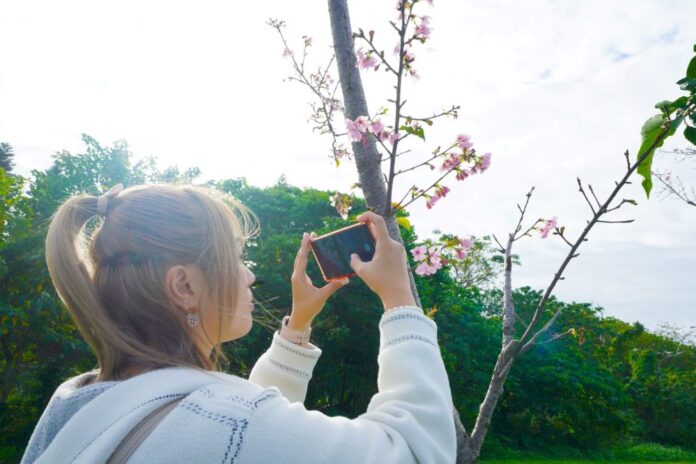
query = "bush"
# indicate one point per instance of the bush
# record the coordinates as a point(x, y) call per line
point(655, 452)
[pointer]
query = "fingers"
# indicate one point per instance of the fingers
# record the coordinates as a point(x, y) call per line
point(301, 258)
point(331, 288)
point(356, 263)
point(377, 221)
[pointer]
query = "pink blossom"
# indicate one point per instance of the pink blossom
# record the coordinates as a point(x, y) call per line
point(424, 269)
point(393, 137)
point(431, 202)
point(353, 131)
point(362, 123)
point(464, 141)
point(434, 256)
point(485, 162)
point(430, 2)
point(419, 253)
point(461, 253)
point(466, 243)
point(462, 174)
point(423, 29)
point(287, 52)
point(442, 191)
point(384, 136)
point(366, 61)
point(376, 126)
point(548, 226)
point(451, 162)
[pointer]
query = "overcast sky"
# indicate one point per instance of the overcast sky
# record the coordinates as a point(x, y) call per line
point(555, 89)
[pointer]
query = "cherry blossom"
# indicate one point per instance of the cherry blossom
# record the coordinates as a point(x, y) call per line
point(466, 243)
point(464, 142)
point(462, 174)
point(376, 126)
point(362, 123)
point(548, 226)
point(419, 253)
point(423, 29)
point(366, 61)
point(425, 269)
point(451, 162)
point(353, 131)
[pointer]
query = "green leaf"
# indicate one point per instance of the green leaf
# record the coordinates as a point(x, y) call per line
point(691, 69)
point(650, 132)
point(404, 222)
point(664, 105)
point(679, 103)
point(687, 83)
point(690, 134)
point(417, 131)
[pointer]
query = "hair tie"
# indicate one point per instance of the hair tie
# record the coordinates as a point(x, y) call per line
point(102, 201)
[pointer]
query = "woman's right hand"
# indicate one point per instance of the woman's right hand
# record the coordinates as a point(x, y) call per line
point(387, 273)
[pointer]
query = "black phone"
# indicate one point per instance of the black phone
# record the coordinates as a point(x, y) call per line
point(332, 251)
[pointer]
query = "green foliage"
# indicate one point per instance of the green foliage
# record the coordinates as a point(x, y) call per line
point(660, 127)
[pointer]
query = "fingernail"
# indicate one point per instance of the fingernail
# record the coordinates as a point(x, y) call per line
point(345, 282)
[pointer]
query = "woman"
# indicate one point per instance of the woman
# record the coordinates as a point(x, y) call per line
point(155, 290)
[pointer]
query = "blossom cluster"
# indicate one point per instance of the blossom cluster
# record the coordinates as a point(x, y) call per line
point(431, 258)
point(358, 130)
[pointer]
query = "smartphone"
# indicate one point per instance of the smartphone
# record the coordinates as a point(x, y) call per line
point(332, 251)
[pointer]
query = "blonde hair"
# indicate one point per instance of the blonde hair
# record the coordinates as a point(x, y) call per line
point(112, 280)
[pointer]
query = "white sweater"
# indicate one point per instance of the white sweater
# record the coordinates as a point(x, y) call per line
point(226, 419)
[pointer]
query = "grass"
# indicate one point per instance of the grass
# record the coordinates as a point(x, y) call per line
point(572, 461)
point(638, 454)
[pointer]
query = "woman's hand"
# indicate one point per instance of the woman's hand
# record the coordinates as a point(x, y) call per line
point(387, 273)
point(307, 300)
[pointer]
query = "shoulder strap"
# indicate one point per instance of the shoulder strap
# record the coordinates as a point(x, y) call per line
point(140, 432)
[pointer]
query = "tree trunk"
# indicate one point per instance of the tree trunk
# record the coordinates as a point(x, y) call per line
point(495, 389)
point(367, 157)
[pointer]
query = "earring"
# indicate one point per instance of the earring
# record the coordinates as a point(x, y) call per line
point(193, 319)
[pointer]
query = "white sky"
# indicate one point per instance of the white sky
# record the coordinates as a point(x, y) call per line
point(556, 89)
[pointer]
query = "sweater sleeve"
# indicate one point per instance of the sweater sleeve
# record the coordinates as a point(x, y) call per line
point(287, 366)
point(408, 420)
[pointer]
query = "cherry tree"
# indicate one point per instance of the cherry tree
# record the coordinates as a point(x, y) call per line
point(340, 111)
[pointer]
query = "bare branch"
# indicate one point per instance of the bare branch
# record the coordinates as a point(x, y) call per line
point(502, 248)
point(572, 253)
point(450, 112)
point(584, 195)
point(522, 213)
point(508, 306)
point(627, 221)
point(595, 196)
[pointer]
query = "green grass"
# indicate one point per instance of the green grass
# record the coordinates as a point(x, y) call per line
point(572, 461)
point(640, 453)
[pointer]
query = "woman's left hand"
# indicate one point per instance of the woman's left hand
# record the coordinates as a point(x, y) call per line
point(307, 300)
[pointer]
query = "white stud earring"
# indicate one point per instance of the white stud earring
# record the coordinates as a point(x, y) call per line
point(193, 319)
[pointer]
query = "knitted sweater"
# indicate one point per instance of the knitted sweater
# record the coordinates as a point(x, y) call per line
point(224, 418)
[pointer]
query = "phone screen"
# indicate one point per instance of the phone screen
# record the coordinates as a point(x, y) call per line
point(333, 250)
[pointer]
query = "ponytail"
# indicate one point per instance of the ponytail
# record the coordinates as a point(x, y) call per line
point(120, 305)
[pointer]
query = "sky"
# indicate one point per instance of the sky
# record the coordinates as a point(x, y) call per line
point(555, 89)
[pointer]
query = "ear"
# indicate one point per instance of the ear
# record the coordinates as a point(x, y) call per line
point(183, 287)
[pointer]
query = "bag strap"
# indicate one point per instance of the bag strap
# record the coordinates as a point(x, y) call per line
point(140, 432)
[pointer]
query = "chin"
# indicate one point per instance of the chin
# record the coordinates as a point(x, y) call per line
point(242, 327)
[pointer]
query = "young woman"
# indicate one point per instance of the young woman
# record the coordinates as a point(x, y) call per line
point(159, 285)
